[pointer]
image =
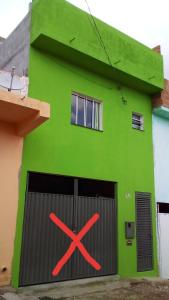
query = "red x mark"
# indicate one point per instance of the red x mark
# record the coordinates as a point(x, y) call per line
point(76, 242)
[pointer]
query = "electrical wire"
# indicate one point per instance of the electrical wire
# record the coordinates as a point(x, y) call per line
point(98, 34)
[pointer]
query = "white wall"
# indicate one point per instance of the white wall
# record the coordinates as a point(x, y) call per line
point(163, 244)
point(161, 158)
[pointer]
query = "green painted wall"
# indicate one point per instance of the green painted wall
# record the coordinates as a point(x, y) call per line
point(119, 153)
point(60, 21)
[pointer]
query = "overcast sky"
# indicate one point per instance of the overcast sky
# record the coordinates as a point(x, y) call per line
point(145, 20)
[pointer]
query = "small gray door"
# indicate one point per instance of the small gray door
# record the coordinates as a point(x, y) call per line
point(144, 232)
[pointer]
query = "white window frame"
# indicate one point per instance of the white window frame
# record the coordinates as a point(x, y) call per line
point(135, 126)
point(99, 127)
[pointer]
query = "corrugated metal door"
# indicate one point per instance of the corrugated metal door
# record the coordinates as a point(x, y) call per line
point(100, 241)
point(144, 232)
point(44, 243)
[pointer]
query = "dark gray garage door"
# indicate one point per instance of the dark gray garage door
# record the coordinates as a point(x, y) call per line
point(44, 244)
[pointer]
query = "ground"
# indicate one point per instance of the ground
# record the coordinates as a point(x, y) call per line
point(94, 289)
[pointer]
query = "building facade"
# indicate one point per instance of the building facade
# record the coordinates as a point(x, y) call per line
point(94, 158)
point(18, 117)
point(161, 167)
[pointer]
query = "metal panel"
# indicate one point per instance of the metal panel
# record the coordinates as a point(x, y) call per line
point(43, 242)
point(100, 241)
point(163, 244)
point(144, 232)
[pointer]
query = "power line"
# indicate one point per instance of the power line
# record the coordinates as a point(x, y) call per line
point(98, 34)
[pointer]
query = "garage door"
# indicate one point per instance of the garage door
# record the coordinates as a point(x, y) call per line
point(45, 242)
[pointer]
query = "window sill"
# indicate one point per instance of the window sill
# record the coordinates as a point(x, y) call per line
point(141, 130)
point(91, 129)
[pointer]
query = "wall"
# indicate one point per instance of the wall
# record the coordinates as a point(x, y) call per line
point(68, 48)
point(10, 162)
point(161, 155)
point(74, 28)
point(14, 51)
point(119, 153)
point(1, 40)
point(163, 244)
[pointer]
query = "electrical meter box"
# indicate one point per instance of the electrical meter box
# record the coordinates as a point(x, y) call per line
point(130, 230)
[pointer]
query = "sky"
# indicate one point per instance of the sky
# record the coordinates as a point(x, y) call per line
point(145, 20)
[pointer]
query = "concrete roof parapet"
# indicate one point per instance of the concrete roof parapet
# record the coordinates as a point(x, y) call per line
point(24, 113)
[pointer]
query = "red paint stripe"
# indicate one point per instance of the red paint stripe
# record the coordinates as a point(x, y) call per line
point(75, 243)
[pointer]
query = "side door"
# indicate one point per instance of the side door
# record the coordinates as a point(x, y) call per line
point(144, 232)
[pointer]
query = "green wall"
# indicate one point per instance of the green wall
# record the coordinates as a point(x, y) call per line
point(119, 153)
point(60, 22)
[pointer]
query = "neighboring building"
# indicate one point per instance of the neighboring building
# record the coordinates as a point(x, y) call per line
point(95, 155)
point(14, 51)
point(1, 40)
point(9, 81)
point(161, 163)
point(18, 117)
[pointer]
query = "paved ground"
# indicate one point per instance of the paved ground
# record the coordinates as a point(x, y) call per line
point(106, 288)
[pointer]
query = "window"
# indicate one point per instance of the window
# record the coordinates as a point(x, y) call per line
point(137, 121)
point(163, 208)
point(86, 112)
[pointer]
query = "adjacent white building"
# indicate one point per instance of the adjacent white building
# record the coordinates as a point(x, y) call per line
point(161, 165)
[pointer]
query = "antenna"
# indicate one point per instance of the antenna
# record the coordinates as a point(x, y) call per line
point(10, 81)
point(12, 76)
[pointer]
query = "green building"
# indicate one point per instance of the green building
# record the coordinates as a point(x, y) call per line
point(94, 155)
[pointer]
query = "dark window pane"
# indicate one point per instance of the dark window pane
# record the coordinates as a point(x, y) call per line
point(52, 184)
point(163, 208)
point(73, 110)
point(80, 119)
point(96, 188)
point(89, 114)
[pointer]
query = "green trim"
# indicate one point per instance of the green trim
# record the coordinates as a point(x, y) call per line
point(18, 236)
point(162, 112)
